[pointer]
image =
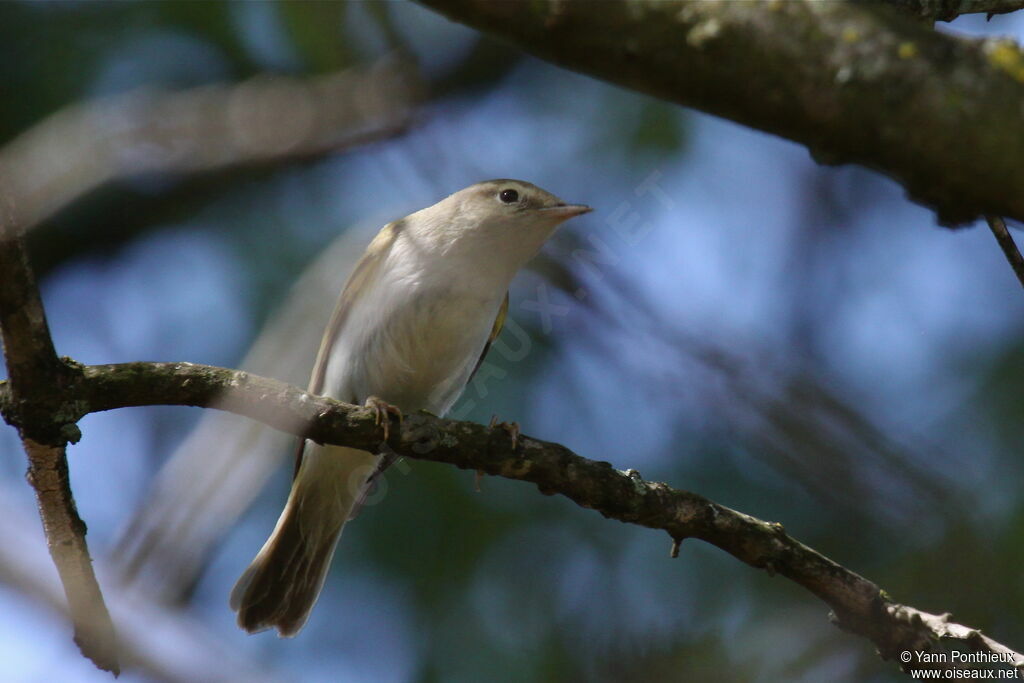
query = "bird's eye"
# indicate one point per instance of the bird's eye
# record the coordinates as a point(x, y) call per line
point(508, 196)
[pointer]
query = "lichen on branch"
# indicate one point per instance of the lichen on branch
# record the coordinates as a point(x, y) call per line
point(859, 83)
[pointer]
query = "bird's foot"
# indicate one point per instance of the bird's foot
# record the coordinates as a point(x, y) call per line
point(511, 428)
point(383, 412)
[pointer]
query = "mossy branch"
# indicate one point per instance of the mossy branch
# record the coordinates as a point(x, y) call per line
point(861, 83)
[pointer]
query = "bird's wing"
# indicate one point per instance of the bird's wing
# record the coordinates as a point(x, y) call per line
point(499, 323)
point(364, 273)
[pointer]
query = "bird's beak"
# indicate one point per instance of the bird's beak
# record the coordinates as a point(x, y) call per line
point(565, 211)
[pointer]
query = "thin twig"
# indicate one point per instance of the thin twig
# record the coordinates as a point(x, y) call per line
point(1009, 247)
point(37, 382)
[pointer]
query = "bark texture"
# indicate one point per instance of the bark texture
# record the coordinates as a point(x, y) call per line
point(35, 404)
point(856, 83)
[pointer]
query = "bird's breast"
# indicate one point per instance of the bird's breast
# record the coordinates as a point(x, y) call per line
point(416, 349)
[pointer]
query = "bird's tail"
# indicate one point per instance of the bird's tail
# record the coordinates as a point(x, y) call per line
point(282, 584)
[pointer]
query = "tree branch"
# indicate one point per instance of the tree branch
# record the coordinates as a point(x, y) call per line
point(948, 10)
point(1013, 256)
point(36, 391)
point(858, 605)
point(855, 83)
point(263, 120)
point(146, 626)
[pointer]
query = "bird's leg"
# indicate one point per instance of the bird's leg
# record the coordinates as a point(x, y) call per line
point(383, 412)
point(511, 428)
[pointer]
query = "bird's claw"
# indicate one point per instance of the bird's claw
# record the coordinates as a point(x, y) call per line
point(383, 411)
point(511, 428)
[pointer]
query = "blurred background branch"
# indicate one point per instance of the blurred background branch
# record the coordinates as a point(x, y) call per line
point(146, 627)
point(266, 119)
point(216, 473)
point(866, 85)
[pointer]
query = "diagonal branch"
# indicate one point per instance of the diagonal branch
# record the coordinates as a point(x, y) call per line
point(1009, 247)
point(266, 119)
point(858, 605)
point(854, 82)
point(146, 626)
point(36, 389)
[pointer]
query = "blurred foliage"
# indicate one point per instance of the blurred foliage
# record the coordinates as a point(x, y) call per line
point(313, 28)
point(657, 128)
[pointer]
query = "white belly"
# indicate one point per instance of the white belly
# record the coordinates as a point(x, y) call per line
point(416, 351)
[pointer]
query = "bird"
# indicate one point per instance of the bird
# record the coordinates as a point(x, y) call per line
point(411, 326)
